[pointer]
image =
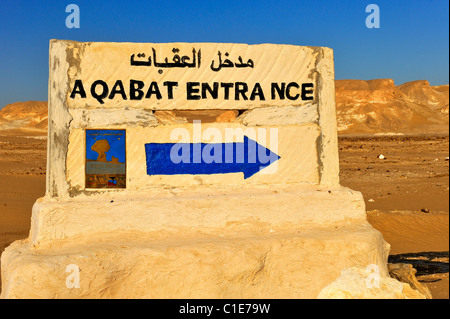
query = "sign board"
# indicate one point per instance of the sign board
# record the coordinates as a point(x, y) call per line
point(105, 159)
point(270, 109)
point(219, 156)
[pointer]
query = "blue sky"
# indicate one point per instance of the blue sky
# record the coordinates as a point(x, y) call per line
point(412, 42)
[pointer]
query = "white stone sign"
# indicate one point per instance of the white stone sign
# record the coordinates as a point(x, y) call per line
point(191, 170)
point(282, 97)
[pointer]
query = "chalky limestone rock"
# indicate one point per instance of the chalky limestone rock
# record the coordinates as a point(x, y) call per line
point(287, 230)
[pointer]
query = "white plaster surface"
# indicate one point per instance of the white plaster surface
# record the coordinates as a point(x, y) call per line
point(287, 234)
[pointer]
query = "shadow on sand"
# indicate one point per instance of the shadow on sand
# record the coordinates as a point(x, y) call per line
point(426, 263)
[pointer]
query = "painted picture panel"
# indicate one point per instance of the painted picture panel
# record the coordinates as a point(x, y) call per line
point(105, 159)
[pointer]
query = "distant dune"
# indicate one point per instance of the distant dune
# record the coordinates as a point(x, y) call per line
point(25, 116)
point(379, 106)
point(363, 107)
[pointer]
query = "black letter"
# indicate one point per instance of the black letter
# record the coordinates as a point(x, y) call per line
point(257, 90)
point(153, 89)
point(240, 91)
point(133, 90)
point(170, 86)
point(288, 88)
point(120, 90)
point(104, 94)
point(191, 90)
point(279, 90)
point(304, 91)
point(78, 89)
point(227, 87)
point(213, 91)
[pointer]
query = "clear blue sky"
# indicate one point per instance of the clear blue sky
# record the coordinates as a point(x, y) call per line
point(411, 44)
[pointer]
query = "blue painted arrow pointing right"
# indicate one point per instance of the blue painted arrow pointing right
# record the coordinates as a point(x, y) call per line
point(189, 158)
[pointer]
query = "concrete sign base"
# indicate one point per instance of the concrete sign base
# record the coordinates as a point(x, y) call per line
point(296, 246)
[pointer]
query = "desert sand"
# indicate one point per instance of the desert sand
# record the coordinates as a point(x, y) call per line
point(407, 198)
point(407, 194)
point(393, 147)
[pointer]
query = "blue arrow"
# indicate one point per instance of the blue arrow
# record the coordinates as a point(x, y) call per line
point(248, 157)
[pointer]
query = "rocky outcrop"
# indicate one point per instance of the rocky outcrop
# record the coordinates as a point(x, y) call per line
point(30, 115)
point(379, 106)
point(364, 283)
point(407, 274)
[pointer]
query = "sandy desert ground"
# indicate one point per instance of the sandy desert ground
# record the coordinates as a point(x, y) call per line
point(406, 193)
point(407, 198)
